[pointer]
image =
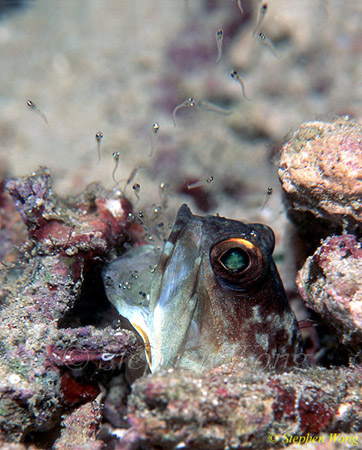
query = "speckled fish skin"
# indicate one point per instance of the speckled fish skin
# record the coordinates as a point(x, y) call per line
point(199, 320)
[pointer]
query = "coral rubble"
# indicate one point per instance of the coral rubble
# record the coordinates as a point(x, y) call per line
point(321, 173)
point(80, 428)
point(240, 407)
point(50, 373)
point(330, 284)
point(90, 223)
point(40, 289)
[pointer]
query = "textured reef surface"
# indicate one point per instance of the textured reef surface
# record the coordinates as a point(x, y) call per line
point(330, 284)
point(321, 173)
point(72, 373)
point(42, 358)
point(67, 365)
point(241, 407)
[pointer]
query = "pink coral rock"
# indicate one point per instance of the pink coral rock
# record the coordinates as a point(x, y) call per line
point(240, 407)
point(330, 283)
point(40, 292)
point(321, 173)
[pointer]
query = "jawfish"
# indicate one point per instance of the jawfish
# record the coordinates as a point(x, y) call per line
point(213, 295)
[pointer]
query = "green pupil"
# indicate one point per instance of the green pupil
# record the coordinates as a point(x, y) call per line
point(235, 260)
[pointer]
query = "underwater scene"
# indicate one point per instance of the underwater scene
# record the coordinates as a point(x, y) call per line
point(180, 224)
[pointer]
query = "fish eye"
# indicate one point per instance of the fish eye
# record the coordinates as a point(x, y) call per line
point(238, 264)
point(235, 260)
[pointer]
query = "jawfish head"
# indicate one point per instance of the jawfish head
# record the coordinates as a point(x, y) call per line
point(211, 296)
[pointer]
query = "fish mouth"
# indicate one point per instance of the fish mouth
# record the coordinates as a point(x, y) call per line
point(146, 341)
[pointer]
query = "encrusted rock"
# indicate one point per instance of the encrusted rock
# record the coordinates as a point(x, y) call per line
point(239, 407)
point(321, 173)
point(80, 428)
point(330, 283)
point(48, 370)
point(12, 229)
point(76, 347)
point(89, 223)
point(40, 289)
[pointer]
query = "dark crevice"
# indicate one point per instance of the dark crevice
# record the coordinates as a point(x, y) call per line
point(92, 306)
point(43, 439)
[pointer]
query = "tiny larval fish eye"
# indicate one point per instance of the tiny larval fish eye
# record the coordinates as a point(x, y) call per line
point(31, 104)
point(212, 295)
